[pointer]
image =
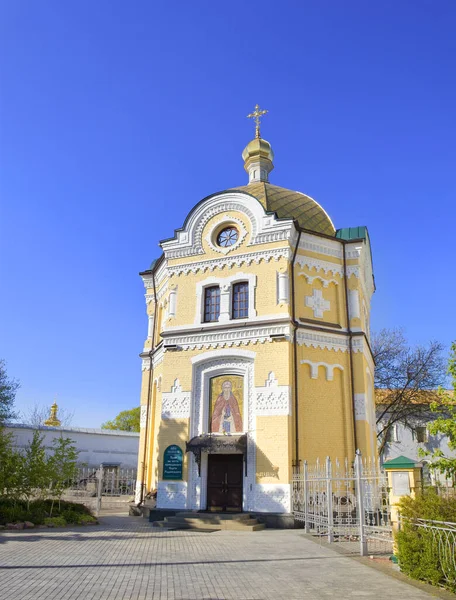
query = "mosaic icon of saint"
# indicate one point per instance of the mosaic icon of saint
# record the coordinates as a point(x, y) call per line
point(226, 417)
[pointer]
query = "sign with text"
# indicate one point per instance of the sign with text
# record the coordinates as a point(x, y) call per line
point(172, 462)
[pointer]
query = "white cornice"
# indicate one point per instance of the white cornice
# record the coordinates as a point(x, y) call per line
point(319, 265)
point(234, 323)
point(230, 261)
point(228, 338)
point(313, 243)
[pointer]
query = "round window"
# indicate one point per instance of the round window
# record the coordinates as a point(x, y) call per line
point(227, 237)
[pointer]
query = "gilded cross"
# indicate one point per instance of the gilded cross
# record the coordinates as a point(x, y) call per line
point(256, 116)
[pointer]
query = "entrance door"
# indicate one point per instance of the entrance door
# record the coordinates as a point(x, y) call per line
point(224, 482)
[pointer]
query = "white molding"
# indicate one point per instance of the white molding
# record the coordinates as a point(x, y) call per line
point(217, 354)
point(329, 369)
point(353, 304)
point(360, 407)
point(235, 336)
point(202, 374)
point(317, 303)
point(226, 221)
point(172, 494)
point(322, 340)
point(230, 261)
point(319, 265)
point(226, 290)
point(264, 228)
point(176, 403)
point(312, 278)
point(272, 399)
point(316, 244)
point(157, 359)
point(276, 318)
point(143, 417)
point(272, 497)
point(283, 287)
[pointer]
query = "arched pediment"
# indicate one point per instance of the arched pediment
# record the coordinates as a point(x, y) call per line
point(264, 227)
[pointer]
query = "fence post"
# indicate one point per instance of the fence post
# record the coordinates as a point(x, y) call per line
point(329, 500)
point(99, 488)
point(360, 502)
point(305, 475)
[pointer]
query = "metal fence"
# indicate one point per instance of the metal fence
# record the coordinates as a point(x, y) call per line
point(107, 487)
point(443, 536)
point(347, 502)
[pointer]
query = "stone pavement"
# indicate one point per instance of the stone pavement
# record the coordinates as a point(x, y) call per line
point(125, 559)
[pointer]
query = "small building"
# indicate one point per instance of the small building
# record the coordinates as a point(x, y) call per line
point(257, 353)
point(111, 448)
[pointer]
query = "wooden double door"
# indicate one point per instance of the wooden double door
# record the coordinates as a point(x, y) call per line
point(224, 482)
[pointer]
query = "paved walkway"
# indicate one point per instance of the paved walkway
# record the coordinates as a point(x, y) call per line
point(125, 559)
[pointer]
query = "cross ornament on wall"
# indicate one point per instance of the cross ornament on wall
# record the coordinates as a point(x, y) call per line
point(317, 303)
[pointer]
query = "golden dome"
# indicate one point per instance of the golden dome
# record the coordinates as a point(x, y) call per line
point(288, 204)
point(258, 147)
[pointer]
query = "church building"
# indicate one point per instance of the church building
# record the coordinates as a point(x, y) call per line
point(257, 354)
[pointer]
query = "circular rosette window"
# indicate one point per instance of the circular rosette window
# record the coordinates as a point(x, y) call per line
point(227, 237)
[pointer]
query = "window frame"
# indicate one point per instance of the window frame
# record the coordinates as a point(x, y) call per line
point(207, 289)
point(244, 301)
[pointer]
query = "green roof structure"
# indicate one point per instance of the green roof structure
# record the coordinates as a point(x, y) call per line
point(401, 462)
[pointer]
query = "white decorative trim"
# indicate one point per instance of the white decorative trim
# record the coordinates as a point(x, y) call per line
point(329, 369)
point(353, 304)
point(283, 288)
point(320, 246)
point(149, 298)
point(176, 404)
point(138, 492)
point(157, 359)
point(230, 261)
point(172, 494)
point(143, 417)
point(272, 497)
point(226, 289)
point(272, 399)
point(322, 340)
point(317, 303)
point(228, 337)
point(218, 354)
point(360, 407)
point(312, 278)
point(319, 265)
point(202, 374)
point(172, 302)
point(226, 220)
point(264, 228)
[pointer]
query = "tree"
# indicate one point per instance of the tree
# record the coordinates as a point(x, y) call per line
point(404, 376)
point(8, 389)
point(62, 465)
point(127, 420)
point(38, 413)
point(34, 472)
point(445, 423)
point(10, 465)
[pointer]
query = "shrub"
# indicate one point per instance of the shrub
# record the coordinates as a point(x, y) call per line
point(15, 511)
point(55, 521)
point(418, 550)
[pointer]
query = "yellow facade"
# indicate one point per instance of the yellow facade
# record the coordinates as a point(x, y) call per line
point(301, 349)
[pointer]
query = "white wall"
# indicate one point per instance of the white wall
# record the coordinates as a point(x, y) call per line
point(96, 446)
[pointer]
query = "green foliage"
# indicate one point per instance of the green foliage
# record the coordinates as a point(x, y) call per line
point(417, 548)
point(445, 423)
point(34, 473)
point(10, 465)
point(16, 511)
point(62, 465)
point(55, 521)
point(8, 389)
point(127, 420)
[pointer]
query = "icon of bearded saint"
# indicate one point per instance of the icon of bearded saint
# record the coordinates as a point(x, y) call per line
point(226, 417)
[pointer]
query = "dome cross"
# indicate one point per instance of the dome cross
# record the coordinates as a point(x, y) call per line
point(256, 116)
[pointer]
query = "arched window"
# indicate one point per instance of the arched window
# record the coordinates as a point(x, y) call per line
point(240, 308)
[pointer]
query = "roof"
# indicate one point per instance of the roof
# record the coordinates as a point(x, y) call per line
point(288, 204)
point(352, 233)
point(74, 429)
point(400, 462)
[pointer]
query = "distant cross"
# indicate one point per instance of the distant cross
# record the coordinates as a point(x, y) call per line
point(256, 116)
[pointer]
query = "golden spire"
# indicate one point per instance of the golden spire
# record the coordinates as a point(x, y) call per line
point(256, 116)
point(53, 420)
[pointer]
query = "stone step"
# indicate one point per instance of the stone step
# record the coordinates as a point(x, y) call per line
point(215, 516)
point(247, 524)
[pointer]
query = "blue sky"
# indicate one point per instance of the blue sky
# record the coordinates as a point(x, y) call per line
point(116, 118)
